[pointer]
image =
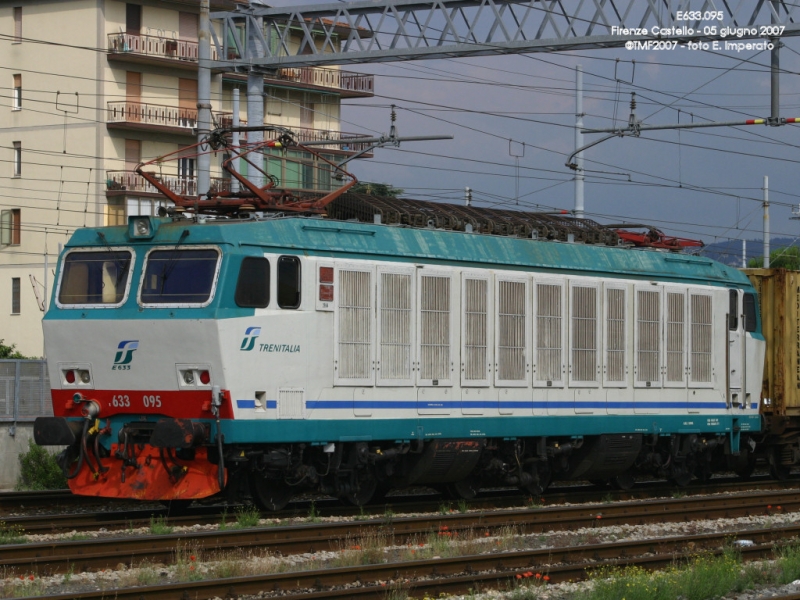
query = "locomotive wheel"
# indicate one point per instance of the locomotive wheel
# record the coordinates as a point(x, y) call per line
point(466, 489)
point(364, 493)
point(776, 469)
point(681, 476)
point(270, 494)
point(539, 486)
point(623, 481)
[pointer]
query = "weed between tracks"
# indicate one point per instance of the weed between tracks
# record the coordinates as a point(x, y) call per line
point(11, 534)
point(701, 578)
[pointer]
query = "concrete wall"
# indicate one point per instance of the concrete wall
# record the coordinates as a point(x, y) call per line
point(11, 446)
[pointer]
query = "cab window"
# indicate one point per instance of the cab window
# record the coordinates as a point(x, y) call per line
point(99, 278)
point(733, 311)
point(289, 282)
point(750, 313)
point(252, 288)
point(179, 276)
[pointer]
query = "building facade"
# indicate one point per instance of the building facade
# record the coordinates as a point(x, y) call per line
point(95, 87)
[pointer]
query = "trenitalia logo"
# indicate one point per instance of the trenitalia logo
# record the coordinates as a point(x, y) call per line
point(125, 352)
point(249, 341)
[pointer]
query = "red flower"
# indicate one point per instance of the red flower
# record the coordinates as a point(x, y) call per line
point(518, 576)
point(546, 577)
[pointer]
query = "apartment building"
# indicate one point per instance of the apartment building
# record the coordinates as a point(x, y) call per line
point(92, 88)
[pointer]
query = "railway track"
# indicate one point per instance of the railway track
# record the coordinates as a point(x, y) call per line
point(94, 554)
point(109, 518)
point(437, 576)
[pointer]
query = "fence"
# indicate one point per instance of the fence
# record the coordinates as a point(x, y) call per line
point(24, 390)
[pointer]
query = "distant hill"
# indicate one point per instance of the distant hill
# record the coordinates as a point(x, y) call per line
point(730, 252)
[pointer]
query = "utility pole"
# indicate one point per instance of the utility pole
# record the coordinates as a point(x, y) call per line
point(775, 65)
point(766, 222)
point(235, 137)
point(255, 101)
point(579, 174)
point(204, 99)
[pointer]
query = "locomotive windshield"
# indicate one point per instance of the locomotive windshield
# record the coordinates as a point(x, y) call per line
point(94, 278)
point(179, 276)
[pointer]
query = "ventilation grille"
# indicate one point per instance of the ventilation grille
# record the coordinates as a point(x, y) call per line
point(648, 339)
point(434, 328)
point(675, 336)
point(354, 325)
point(615, 328)
point(511, 331)
point(701, 338)
point(584, 333)
point(291, 402)
point(395, 315)
point(475, 329)
point(548, 332)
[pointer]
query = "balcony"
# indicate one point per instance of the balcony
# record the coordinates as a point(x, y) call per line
point(183, 54)
point(128, 183)
point(153, 117)
point(349, 84)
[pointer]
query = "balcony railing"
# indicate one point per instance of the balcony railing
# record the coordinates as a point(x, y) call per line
point(329, 78)
point(185, 186)
point(151, 45)
point(152, 114)
point(184, 50)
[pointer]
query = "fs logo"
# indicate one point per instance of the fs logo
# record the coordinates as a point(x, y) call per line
point(125, 354)
point(249, 341)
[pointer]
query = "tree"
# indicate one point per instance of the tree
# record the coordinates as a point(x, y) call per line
point(9, 351)
point(376, 189)
point(787, 257)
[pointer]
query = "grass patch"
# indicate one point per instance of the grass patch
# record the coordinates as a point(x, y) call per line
point(701, 578)
point(187, 560)
point(313, 514)
point(534, 502)
point(39, 470)
point(247, 517)
point(158, 526)
point(11, 534)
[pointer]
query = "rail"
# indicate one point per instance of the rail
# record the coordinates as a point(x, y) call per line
point(24, 390)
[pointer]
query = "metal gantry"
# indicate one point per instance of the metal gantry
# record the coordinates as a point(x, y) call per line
point(397, 30)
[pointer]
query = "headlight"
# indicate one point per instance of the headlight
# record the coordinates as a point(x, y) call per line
point(188, 377)
point(141, 227)
point(84, 376)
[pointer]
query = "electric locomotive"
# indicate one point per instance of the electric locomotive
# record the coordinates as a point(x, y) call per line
point(269, 356)
point(352, 344)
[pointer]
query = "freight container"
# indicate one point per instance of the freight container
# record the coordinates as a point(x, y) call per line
point(779, 299)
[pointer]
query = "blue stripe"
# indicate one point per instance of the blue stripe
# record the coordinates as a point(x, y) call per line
point(458, 404)
point(252, 403)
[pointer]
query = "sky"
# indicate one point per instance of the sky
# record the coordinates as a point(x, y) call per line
point(513, 122)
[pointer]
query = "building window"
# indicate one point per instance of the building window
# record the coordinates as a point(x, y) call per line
point(17, 25)
point(16, 95)
point(15, 295)
point(17, 158)
point(10, 227)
